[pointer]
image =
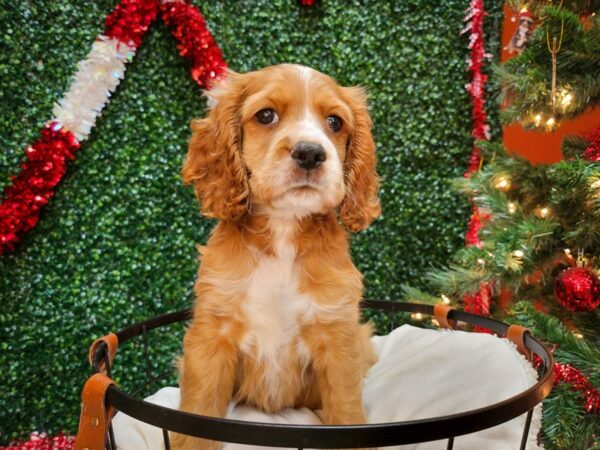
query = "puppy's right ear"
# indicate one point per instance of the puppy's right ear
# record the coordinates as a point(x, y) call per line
point(214, 164)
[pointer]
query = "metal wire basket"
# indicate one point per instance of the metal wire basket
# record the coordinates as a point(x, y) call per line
point(96, 433)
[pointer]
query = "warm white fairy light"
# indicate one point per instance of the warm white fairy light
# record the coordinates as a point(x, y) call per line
point(578, 335)
point(518, 253)
point(566, 100)
point(416, 316)
point(537, 120)
point(551, 122)
point(445, 299)
point(502, 183)
point(512, 207)
point(543, 212)
point(481, 261)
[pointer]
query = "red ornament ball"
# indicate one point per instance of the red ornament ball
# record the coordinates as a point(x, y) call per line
point(592, 152)
point(577, 289)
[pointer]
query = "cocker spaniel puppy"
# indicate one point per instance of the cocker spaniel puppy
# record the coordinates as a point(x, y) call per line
point(284, 155)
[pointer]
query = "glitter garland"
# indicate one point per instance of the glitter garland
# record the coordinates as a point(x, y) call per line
point(195, 42)
point(478, 303)
point(40, 441)
point(74, 116)
point(566, 373)
point(476, 87)
point(97, 77)
point(130, 20)
point(33, 187)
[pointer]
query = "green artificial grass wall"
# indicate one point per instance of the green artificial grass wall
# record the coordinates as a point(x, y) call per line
point(116, 244)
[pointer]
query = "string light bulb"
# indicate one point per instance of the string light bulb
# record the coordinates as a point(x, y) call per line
point(445, 299)
point(416, 316)
point(566, 100)
point(551, 122)
point(543, 212)
point(537, 120)
point(502, 183)
point(512, 208)
point(518, 253)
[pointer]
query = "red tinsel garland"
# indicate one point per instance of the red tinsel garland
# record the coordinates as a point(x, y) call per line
point(566, 373)
point(476, 87)
point(196, 43)
point(40, 441)
point(33, 187)
point(475, 224)
point(479, 302)
point(130, 20)
point(20, 207)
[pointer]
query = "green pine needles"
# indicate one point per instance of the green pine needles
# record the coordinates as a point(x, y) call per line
point(527, 78)
point(566, 424)
point(540, 217)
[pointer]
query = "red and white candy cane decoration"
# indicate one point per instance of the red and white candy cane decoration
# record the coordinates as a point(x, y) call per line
point(97, 77)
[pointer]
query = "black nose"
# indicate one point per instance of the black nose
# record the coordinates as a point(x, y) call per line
point(308, 155)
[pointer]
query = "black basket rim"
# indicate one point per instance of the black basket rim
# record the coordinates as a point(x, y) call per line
point(335, 436)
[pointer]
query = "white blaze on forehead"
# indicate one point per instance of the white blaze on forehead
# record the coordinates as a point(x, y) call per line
point(306, 73)
point(311, 127)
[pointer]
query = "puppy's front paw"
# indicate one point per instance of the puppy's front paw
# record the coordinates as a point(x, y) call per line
point(184, 442)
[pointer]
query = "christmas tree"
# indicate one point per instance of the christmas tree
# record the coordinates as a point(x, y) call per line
point(533, 243)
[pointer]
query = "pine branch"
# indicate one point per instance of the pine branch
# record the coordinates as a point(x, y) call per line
point(412, 294)
point(527, 78)
point(536, 7)
point(570, 349)
point(566, 424)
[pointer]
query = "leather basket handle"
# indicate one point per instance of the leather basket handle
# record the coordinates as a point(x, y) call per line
point(440, 312)
point(95, 417)
point(516, 334)
point(112, 343)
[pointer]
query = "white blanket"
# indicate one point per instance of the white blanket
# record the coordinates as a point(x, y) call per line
point(420, 374)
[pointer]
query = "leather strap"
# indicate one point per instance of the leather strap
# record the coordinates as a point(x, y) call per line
point(112, 342)
point(515, 333)
point(95, 417)
point(441, 311)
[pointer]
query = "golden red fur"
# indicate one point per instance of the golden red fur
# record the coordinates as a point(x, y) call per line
point(276, 321)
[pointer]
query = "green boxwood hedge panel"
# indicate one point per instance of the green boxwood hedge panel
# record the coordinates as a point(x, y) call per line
point(116, 244)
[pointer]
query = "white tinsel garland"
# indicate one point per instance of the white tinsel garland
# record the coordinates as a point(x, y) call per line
point(96, 79)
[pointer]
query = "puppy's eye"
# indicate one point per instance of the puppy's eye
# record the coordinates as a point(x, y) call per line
point(335, 123)
point(267, 116)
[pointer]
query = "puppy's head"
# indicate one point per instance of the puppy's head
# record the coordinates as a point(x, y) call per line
point(287, 138)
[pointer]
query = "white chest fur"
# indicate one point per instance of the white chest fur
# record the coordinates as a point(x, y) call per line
point(273, 307)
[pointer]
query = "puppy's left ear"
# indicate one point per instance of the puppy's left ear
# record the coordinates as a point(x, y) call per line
point(360, 204)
